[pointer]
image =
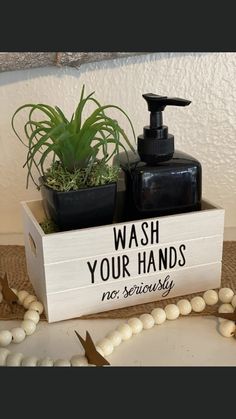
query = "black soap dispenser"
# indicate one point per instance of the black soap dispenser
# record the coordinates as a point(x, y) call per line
point(158, 180)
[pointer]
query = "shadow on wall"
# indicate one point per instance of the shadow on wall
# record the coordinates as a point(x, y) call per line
point(33, 73)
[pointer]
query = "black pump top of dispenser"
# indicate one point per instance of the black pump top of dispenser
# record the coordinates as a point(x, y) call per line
point(156, 145)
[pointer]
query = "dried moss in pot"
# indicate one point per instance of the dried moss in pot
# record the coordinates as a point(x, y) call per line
point(48, 226)
point(60, 179)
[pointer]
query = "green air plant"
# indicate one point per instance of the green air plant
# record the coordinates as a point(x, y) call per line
point(72, 144)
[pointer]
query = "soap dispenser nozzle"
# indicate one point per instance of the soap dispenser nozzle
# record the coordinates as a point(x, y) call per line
point(157, 104)
point(156, 144)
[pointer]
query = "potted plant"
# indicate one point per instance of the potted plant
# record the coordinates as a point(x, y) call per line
point(71, 157)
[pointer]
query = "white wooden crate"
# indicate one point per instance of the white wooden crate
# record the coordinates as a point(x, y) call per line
point(97, 269)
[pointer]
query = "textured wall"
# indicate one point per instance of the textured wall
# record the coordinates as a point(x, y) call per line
point(206, 129)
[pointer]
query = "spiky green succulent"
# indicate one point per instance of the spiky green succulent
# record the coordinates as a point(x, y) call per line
point(74, 143)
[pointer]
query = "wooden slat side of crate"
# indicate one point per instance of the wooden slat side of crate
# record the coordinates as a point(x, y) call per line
point(69, 270)
point(98, 241)
point(88, 272)
point(74, 303)
point(64, 246)
point(34, 253)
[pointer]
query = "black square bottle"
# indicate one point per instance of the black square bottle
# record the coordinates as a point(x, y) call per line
point(158, 180)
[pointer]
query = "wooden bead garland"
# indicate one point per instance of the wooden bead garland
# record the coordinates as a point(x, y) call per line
point(113, 339)
point(28, 325)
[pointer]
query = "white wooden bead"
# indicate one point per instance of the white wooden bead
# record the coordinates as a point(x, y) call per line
point(147, 320)
point(136, 325)
point(28, 300)
point(233, 302)
point(125, 330)
point(1, 297)
point(32, 315)
point(14, 359)
point(227, 328)
point(3, 356)
point(22, 296)
point(159, 315)
point(79, 361)
point(37, 306)
point(172, 311)
point(226, 295)
point(210, 297)
point(99, 350)
point(18, 334)
point(226, 308)
point(5, 337)
point(106, 346)
point(29, 327)
point(198, 304)
point(62, 363)
point(29, 361)
point(115, 337)
point(184, 307)
point(45, 362)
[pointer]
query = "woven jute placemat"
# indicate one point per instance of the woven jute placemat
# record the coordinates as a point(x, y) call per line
point(12, 261)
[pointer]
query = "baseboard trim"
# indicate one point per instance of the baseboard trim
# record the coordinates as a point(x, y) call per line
point(11, 239)
point(230, 233)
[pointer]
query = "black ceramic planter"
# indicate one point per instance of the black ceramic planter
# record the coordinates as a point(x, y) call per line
point(88, 207)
